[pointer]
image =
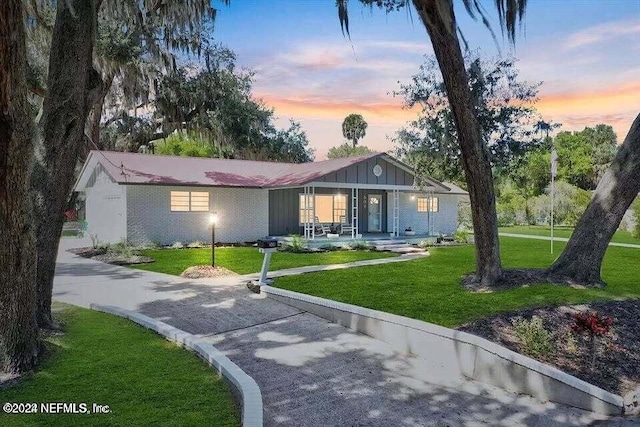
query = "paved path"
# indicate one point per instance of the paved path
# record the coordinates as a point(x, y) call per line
point(314, 268)
point(564, 239)
point(311, 372)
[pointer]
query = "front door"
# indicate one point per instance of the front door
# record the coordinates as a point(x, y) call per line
point(374, 209)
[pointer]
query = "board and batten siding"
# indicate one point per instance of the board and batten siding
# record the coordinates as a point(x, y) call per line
point(362, 173)
point(445, 220)
point(106, 204)
point(243, 215)
point(284, 209)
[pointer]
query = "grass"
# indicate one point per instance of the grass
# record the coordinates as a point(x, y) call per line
point(429, 289)
point(143, 378)
point(245, 260)
point(561, 231)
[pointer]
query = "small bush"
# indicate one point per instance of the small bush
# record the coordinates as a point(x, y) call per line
point(534, 338)
point(360, 245)
point(295, 245)
point(635, 210)
point(121, 249)
point(594, 326)
point(461, 236)
point(177, 245)
point(424, 244)
point(328, 247)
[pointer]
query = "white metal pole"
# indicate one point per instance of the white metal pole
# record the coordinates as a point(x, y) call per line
point(552, 206)
point(554, 171)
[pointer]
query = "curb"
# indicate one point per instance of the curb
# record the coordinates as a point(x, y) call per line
point(477, 358)
point(242, 384)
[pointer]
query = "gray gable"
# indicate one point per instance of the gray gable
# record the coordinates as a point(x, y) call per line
point(393, 173)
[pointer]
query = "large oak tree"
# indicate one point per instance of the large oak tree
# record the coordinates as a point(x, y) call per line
point(18, 328)
point(581, 260)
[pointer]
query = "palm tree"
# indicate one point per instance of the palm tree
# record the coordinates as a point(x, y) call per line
point(581, 260)
point(354, 128)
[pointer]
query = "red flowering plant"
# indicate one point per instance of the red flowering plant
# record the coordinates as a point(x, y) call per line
point(594, 325)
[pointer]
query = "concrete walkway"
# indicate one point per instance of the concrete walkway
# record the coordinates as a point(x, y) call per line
point(314, 268)
point(564, 239)
point(311, 372)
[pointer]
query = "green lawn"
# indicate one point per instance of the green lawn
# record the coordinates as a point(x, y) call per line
point(429, 289)
point(245, 260)
point(536, 230)
point(143, 378)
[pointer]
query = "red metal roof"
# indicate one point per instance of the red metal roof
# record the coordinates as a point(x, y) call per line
point(134, 168)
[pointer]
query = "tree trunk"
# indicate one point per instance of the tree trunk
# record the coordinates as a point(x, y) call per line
point(581, 260)
point(95, 116)
point(439, 20)
point(18, 327)
point(72, 84)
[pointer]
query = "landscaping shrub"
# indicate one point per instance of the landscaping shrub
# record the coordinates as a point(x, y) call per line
point(569, 204)
point(593, 326)
point(534, 338)
point(511, 208)
point(360, 245)
point(424, 244)
point(328, 247)
point(121, 249)
point(464, 216)
point(295, 245)
point(461, 236)
point(635, 211)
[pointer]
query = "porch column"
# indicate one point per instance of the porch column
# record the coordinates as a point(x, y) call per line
point(354, 213)
point(313, 212)
point(305, 211)
point(396, 213)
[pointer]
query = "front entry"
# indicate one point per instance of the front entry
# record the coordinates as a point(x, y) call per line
point(374, 213)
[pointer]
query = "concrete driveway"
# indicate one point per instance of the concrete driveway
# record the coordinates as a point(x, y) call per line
point(311, 372)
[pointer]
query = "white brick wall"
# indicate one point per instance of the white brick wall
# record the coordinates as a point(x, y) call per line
point(445, 220)
point(105, 209)
point(243, 215)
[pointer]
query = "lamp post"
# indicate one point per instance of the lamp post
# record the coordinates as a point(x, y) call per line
point(213, 218)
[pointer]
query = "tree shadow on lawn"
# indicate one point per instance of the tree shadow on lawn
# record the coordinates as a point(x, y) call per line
point(312, 372)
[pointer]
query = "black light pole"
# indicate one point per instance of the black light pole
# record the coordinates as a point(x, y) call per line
point(213, 218)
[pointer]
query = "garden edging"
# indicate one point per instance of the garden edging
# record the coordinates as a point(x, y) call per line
point(473, 357)
point(243, 386)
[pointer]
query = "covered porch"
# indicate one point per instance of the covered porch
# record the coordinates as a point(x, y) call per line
point(365, 211)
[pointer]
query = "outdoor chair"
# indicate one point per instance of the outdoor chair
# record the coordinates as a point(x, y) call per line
point(321, 229)
point(345, 227)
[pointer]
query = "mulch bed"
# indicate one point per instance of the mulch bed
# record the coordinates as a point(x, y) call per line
point(617, 366)
point(200, 271)
point(99, 254)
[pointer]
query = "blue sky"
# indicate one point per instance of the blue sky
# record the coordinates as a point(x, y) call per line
point(587, 53)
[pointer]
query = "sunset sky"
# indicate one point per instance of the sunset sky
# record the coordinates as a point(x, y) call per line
point(586, 52)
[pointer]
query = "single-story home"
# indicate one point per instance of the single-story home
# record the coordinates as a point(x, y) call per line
point(144, 198)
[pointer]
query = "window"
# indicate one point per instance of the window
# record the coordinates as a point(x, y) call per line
point(329, 208)
point(185, 201)
point(428, 204)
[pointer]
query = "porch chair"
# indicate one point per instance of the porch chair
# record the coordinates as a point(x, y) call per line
point(345, 227)
point(321, 229)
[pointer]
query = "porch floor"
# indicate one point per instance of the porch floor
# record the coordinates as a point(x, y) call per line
point(368, 237)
